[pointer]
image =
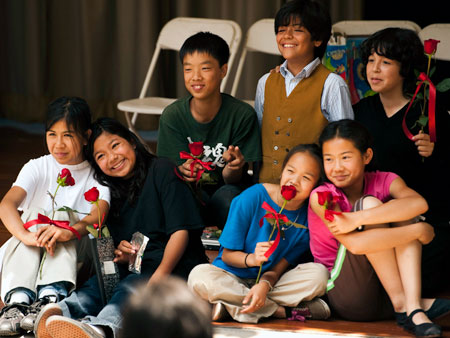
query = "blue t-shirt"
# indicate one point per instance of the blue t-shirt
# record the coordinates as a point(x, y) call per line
point(242, 231)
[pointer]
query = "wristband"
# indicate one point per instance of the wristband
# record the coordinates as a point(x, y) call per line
point(245, 260)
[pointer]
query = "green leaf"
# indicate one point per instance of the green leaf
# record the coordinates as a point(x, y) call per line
point(370, 92)
point(423, 120)
point(67, 209)
point(443, 86)
point(92, 231)
point(105, 231)
point(298, 225)
point(432, 70)
point(206, 178)
point(271, 221)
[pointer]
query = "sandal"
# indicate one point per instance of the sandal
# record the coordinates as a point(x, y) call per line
point(427, 330)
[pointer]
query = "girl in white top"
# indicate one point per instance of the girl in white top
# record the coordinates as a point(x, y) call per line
point(25, 285)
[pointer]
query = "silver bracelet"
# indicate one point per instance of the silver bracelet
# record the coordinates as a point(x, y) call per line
point(268, 283)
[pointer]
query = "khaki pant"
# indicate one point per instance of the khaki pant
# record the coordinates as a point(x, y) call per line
point(21, 262)
point(215, 285)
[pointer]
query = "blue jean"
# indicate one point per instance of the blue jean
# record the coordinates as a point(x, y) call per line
point(58, 288)
point(86, 303)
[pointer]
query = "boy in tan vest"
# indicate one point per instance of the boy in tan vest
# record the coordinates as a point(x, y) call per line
point(295, 103)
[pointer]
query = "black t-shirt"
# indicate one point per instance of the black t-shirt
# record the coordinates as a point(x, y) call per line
point(164, 206)
point(394, 152)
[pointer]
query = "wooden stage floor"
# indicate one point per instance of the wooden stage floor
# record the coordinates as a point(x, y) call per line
point(18, 146)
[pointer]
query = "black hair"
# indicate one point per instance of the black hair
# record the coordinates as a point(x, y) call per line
point(313, 150)
point(206, 42)
point(166, 309)
point(399, 44)
point(121, 189)
point(352, 131)
point(74, 110)
point(313, 15)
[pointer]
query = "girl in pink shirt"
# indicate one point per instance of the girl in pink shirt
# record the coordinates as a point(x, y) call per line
point(368, 240)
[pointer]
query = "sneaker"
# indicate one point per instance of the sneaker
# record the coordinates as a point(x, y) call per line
point(219, 313)
point(316, 309)
point(10, 318)
point(63, 327)
point(27, 323)
point(40, 330)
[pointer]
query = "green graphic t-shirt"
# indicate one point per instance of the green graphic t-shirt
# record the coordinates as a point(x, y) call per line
point(235, 124)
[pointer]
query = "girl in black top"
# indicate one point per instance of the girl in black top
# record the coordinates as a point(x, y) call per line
point(146, 196)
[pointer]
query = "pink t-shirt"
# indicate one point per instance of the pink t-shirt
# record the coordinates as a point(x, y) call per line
point(324, 246)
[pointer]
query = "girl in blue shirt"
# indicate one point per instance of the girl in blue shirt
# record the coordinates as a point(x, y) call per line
point(229, 282)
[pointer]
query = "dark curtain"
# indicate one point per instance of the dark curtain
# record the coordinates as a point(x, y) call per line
point(100, 50)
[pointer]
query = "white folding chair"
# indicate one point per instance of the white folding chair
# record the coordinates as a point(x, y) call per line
point(438, 31)
point(171, 37)
point(368, 27)
point(260, 37)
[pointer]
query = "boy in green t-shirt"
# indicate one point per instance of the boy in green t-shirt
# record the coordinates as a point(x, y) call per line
point(227, 127)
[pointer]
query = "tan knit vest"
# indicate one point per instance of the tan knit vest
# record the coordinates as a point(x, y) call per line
point(292, 120)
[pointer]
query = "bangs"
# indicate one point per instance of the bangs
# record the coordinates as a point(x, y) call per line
point(287, 18)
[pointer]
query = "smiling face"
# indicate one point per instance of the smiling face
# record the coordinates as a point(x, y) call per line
point(301, 171)
point(114, 155)
point(295, 42)
point(64, 144)
point(344, 164)
point(203, 75)
point(383, 74)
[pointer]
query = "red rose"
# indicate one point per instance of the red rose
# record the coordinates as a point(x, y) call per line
point(92, 195)
point(430, 46)
point(288, 192)
point(323, 196)
point(196, 148)
point(65, 172)
point(329, 214)
point(70, 181)
point(65, 178)
point(336, 199)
